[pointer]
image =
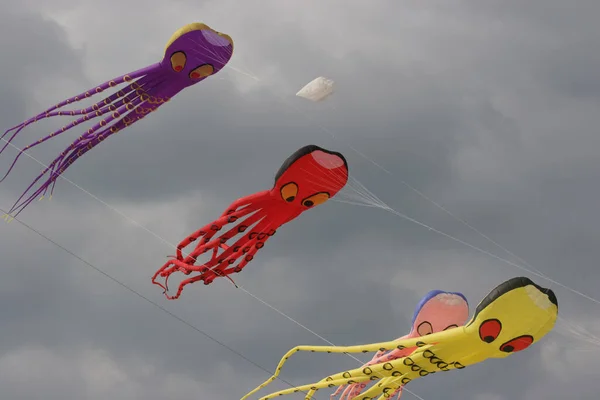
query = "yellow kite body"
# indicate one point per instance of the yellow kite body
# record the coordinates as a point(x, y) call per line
point(510, 318)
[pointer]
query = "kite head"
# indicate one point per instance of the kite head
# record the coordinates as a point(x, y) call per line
point(511, 318)
point(194, 53)
point(439, 311)
point(310, 177)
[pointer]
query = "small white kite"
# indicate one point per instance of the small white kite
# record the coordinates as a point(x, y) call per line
point(317, 90)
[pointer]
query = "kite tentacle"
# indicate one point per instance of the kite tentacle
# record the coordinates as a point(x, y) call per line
point(216, 266)
point(349, 391)
point(207, 244)
point(264, 233)
point(78, 148)
point(379, 357)
point(388, 374)
point(386, 387)
point(89, 93)
point(103, 86)
point(125, 103)
point(237, 245)
point(381, 346)
point(246, 201)
point(205, 270)
point(311, 388)
point(210, 229)
point(222, 266)
point(127, 120)
point(337, 392)
point(91, 134)
point(88, 135)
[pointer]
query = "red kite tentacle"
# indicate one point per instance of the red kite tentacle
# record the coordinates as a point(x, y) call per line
point(247, 200)
point(206, 274)
point(258, 238)
point(209, 230)
point(204, 246)
point(241, 242)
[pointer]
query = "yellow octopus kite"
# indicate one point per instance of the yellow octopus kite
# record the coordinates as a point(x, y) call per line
point(510, 318)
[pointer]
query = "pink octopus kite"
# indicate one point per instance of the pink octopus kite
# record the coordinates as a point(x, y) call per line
point(437, 311)
point(308, 178)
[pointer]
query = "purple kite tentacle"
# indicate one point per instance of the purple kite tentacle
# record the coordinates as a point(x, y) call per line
point(91, 109)
point(89, 93)
point(84, 146)
point(103, 86)
point(134, 105)
point(90, 134)
point(94, 111)
point(78, 149)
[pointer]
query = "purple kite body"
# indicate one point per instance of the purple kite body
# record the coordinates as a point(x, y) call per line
point(193, 53)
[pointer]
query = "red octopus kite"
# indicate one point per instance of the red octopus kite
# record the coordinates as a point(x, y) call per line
point(309, 177)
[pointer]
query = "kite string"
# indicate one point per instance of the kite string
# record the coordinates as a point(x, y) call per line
point(371, 198)
point(140, 295)
point(531, 269)
point(174, 246)
point(169, 244)
point(380, 205)
point(386, 207)
point(315, 333)
point(418, 192)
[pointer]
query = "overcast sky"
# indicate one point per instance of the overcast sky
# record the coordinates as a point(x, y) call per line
point(489, 108)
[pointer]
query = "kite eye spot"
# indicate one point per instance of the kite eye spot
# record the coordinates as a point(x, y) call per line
point(178, 60)
point(517, 344)
point(425, 328)
point(202, 71)
point(489, 330)
point(315, 199)
point(451, 327)
point(289, 191)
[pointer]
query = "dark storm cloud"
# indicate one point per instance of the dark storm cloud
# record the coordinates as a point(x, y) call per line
point(489, 108)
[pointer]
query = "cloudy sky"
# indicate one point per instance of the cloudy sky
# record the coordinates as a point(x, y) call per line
point(488, 108)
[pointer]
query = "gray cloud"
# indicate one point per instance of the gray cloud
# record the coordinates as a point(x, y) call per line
point(488, 108)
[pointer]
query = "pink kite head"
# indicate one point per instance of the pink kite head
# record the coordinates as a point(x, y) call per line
point(438, 311)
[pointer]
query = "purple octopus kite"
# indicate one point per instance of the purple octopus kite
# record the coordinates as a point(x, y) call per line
point(194, 53)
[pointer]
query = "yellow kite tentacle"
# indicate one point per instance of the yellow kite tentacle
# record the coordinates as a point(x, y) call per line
point(385, 387)
point(347, 377)
point(393, 369)
point(515, 315)
point(312, 387)
point(391, 345)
